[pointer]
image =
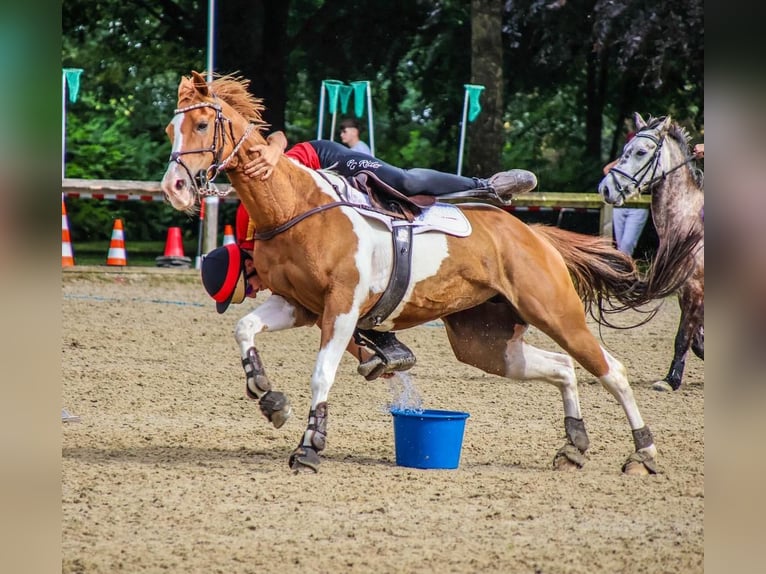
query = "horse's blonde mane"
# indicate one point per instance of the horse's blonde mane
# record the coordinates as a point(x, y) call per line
point(233, 90)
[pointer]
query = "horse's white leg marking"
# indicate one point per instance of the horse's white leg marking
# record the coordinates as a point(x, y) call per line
point(616, 382)
point(329, 357)
point(274, 314)
point(527, 363)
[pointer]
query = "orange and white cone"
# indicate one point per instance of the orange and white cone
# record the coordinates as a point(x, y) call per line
point(117, 255)
point(67, 257)
point(228, 235)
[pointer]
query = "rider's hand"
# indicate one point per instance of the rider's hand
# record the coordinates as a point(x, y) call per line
point(267, 156)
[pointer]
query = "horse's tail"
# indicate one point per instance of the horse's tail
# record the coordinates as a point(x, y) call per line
point(609, 281)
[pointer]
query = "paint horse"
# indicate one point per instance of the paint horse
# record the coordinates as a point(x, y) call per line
point(325, 261)
point(657, 159)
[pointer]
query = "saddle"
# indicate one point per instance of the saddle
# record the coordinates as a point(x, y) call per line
point(387, 199)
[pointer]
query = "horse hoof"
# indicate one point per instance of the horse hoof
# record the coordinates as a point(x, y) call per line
point(304, 460)
point(639, 464)
point(568, 457)
point(275, 407)
point(279, 418)
point(662, 386)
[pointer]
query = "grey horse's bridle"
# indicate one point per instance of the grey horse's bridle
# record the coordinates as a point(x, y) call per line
point(649, 169)
point(203, 181)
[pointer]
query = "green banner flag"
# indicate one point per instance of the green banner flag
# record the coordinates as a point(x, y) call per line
point(345, 96)
point(474, 107)
point(360, 93)
point(332, 86)
point(72, 76)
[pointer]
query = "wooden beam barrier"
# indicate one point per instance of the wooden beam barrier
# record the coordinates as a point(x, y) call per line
point(125, 190)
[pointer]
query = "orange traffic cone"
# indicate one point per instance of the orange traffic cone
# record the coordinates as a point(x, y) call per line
point(228, 235)
point(67, 257)
point(174, 251)
point(116, 255)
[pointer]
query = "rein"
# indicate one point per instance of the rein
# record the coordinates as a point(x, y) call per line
point(219, 139)
point(652, 164)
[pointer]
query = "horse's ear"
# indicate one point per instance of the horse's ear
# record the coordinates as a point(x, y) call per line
point(665, 125)
point(639, 121)
point(200, 83)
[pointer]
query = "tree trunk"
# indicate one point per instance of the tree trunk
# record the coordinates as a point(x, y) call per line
point(257, 51)
point(485, 134)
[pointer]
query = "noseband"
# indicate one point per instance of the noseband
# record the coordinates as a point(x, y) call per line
point(649, 169)
point(221, 129)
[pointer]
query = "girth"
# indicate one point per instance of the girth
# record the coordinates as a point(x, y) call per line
point(397, 282)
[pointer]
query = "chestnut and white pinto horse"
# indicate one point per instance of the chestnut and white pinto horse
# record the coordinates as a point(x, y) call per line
point(325, 261)
point(657, 159)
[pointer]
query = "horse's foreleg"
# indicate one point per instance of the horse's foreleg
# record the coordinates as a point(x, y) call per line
point(335, 336)
point(273, 315)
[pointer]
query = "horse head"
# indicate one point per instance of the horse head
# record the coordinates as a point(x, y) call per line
point(644, 159)
point(206, 133)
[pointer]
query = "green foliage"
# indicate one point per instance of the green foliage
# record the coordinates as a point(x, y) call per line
point(103, 143)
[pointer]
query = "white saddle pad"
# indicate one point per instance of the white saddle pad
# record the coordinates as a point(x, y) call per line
point(441, 217)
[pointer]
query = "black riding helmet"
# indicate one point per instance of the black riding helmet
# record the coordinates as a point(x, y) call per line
point(223, 275)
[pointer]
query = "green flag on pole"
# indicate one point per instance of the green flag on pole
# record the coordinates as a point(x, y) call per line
point(474, 106)
point(332, 87)
point(360, 91)
point(73, 82)
point(345, 96)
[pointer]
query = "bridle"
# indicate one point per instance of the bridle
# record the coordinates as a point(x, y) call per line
point(203, 181)
point(648, 170)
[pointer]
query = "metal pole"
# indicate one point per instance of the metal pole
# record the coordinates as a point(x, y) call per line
point(63, 125)
point(321, 110)
point(462, 134)
point(369, 119)
point(332, 125)
point(208, 224)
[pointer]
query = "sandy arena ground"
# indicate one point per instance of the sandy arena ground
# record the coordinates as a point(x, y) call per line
point(172, 469)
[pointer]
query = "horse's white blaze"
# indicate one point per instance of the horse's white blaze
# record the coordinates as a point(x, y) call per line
point(274, 314)
point(181, 199)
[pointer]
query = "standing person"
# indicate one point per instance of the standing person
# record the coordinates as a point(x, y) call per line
point(349, 135)
point(628, 222)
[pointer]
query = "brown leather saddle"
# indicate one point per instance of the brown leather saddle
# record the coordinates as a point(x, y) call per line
point(387, 199)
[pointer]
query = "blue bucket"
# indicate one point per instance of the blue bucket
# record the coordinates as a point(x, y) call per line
point(429, 438)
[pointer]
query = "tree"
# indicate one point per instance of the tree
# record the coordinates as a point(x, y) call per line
point(486, 137)
point(571, 69)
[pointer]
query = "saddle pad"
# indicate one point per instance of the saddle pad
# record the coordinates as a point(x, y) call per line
point(443, 217)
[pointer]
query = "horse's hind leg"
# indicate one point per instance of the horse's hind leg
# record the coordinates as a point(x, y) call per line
point(490, 337)
point(698, 342)
point(273, 315)
point(689, 334)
